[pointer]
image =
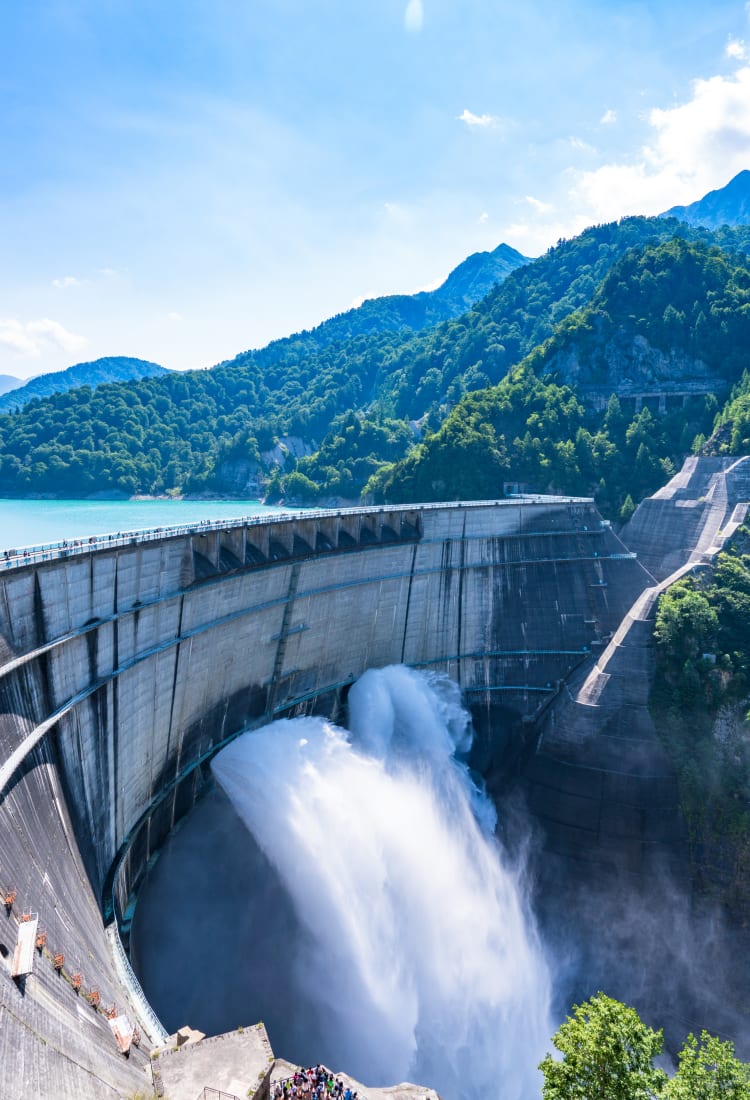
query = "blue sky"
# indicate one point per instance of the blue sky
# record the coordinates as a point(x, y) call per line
point(184, 179)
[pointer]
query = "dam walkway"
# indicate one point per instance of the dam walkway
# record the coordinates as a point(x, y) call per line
point(34, 554)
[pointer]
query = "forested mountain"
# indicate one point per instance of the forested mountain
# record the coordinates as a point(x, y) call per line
point(729, 205)
point(671, 319)
point(114, 368)
point(474, 278)
point(731, 434)
point(639, 305)
point(665, 317)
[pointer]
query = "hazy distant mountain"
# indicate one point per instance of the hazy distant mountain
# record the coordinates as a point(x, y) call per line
point(8, 382)
point(728, 205)
point(473, 279)
point(115, 368)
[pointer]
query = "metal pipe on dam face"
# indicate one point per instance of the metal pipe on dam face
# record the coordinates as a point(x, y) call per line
point(126, 664)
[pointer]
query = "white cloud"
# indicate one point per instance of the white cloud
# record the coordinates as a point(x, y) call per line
point(534, 233)
point(609, 117)
point(65, 282)
point(477, 120)
point(695, 147)
point(484, 217)
point(32, 338)
point(538, 205)
point(173, 315)
point(735, 49)
point(414, 16)
point(427, 287)
point(581, 145)
point(534, 238)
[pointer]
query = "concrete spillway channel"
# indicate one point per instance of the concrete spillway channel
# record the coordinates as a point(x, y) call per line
point(125, 664)
point(601, 782)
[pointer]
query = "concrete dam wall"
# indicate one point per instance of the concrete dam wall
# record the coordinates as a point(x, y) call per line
point(126, 663)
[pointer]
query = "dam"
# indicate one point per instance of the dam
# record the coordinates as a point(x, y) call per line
point(126, 663)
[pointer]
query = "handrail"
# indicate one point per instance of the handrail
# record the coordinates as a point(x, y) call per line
point(150, 1022)
point(17, 558)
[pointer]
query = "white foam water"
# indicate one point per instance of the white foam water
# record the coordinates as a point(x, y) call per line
point(421, 957)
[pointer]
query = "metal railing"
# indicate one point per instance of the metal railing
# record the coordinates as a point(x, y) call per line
point(150, 1022)
point(18, 557)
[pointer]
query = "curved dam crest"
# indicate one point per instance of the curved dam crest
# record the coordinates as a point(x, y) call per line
point(125, 667)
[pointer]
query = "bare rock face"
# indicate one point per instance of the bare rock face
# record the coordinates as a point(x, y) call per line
point(241, 476)
point(730, 727)
point(628, 364)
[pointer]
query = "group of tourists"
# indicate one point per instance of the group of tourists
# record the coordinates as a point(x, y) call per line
point(314, 1083)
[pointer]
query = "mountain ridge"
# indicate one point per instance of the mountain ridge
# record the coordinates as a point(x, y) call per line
point(110, 368)
point(351, 402)
point(465, 285)
point(667, 299)
point(476, 276)
point(728, 205)
point(659, 345)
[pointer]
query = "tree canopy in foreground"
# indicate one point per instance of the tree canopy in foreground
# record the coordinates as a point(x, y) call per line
point(608, 1053)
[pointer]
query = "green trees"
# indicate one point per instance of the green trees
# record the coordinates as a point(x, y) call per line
point(698, 701)
point(495, 394)
point(608, 1054)
point(708, 1070)
point(732, 429)
point(533, 430)
point(352, 449)
point(708, 612)
point(686, 623)
point(627, 509)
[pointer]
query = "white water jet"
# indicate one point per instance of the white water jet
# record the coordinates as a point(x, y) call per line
point(422, 960)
